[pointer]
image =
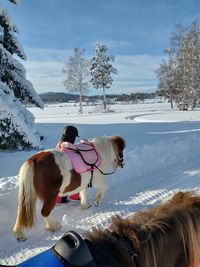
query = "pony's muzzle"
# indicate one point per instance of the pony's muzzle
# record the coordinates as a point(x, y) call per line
point(122, 165)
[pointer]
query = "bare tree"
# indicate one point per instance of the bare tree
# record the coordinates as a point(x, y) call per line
point(101, 70)
point(77, 70)
point(179, 78)
point(166, 73)
point(189, 65)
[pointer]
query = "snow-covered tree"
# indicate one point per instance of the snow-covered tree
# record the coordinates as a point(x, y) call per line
point(101, 70)
point(179, 78)
point(166, 79)
point(77, 70)
point(17, 128)
point(167, 72)
point(189, 65)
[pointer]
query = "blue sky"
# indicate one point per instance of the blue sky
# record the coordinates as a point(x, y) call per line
point(135, 31)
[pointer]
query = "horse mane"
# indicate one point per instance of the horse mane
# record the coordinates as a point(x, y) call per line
point(100, 141)
point(160, 233)
point(108, 142)
point(105, 146)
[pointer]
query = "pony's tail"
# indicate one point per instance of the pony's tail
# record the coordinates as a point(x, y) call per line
point(27, 197)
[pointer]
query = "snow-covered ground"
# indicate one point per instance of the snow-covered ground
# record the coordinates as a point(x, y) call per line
point(162, 156)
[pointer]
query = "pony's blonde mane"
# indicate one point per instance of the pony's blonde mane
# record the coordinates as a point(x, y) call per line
point(105, 147)
point(100, 141)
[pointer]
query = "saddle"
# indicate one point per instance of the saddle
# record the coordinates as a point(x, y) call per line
point(84, 156)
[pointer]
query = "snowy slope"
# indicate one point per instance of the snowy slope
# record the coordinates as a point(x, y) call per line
point(162, 156)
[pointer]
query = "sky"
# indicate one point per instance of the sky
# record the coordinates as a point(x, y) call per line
point(161, 158)
point(136, 32)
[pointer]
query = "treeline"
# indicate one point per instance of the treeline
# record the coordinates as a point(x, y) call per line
point(51, 97)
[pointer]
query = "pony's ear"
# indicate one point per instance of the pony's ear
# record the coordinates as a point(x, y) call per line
point(186, 199)
point(119, 141)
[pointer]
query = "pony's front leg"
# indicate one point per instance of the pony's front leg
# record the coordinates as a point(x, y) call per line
point(84, 202)
point(100, 194)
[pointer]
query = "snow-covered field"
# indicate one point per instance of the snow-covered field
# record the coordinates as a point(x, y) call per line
point(162, 156)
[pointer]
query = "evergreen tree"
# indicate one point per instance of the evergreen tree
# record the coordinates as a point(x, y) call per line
point(77, 69)
point(17, 129)
point(101, 70)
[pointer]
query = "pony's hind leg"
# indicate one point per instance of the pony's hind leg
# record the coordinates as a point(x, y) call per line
point(50, 223)
point(18, 231)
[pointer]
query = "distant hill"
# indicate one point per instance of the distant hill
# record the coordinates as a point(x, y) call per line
point(52, 97)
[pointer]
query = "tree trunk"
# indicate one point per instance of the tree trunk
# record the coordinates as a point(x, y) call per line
point(171, 102)
point(81, 104)
point(104, 100)
point(194, 103)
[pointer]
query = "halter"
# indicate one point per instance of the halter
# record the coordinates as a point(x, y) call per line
point(128, 246)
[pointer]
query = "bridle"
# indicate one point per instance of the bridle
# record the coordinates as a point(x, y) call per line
point(120, 163)
point(128, 246)
point(120, 160)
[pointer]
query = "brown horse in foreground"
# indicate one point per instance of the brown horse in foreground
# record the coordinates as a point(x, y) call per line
point(165, 236)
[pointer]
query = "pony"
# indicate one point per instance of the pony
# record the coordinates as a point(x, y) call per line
point(50, 173)
point(165, 236)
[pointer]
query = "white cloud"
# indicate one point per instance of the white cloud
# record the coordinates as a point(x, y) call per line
point(135, 72)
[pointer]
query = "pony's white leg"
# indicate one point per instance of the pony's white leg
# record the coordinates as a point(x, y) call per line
point(100, 193)
point(84, 202)
point(51, 224)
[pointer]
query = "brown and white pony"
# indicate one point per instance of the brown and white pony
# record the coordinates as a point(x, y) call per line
point(49, 173)
point(165, 236)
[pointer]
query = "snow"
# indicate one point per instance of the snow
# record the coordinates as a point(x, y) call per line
point(22, 119)
point(161, 156)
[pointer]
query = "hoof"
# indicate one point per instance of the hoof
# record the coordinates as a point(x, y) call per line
point(21, 239)
point(96, 203)
point(53, 228)
point(84, 207)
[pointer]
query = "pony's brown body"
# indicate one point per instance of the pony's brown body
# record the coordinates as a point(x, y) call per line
point(165, 236)
point(50, 172)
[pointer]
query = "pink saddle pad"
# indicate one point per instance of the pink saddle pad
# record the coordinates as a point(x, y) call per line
point(84, 156)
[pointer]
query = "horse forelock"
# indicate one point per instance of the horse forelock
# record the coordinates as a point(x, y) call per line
point(119, 141)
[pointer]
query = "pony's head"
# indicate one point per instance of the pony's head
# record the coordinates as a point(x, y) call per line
point(119, 145)
point(111, 149)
